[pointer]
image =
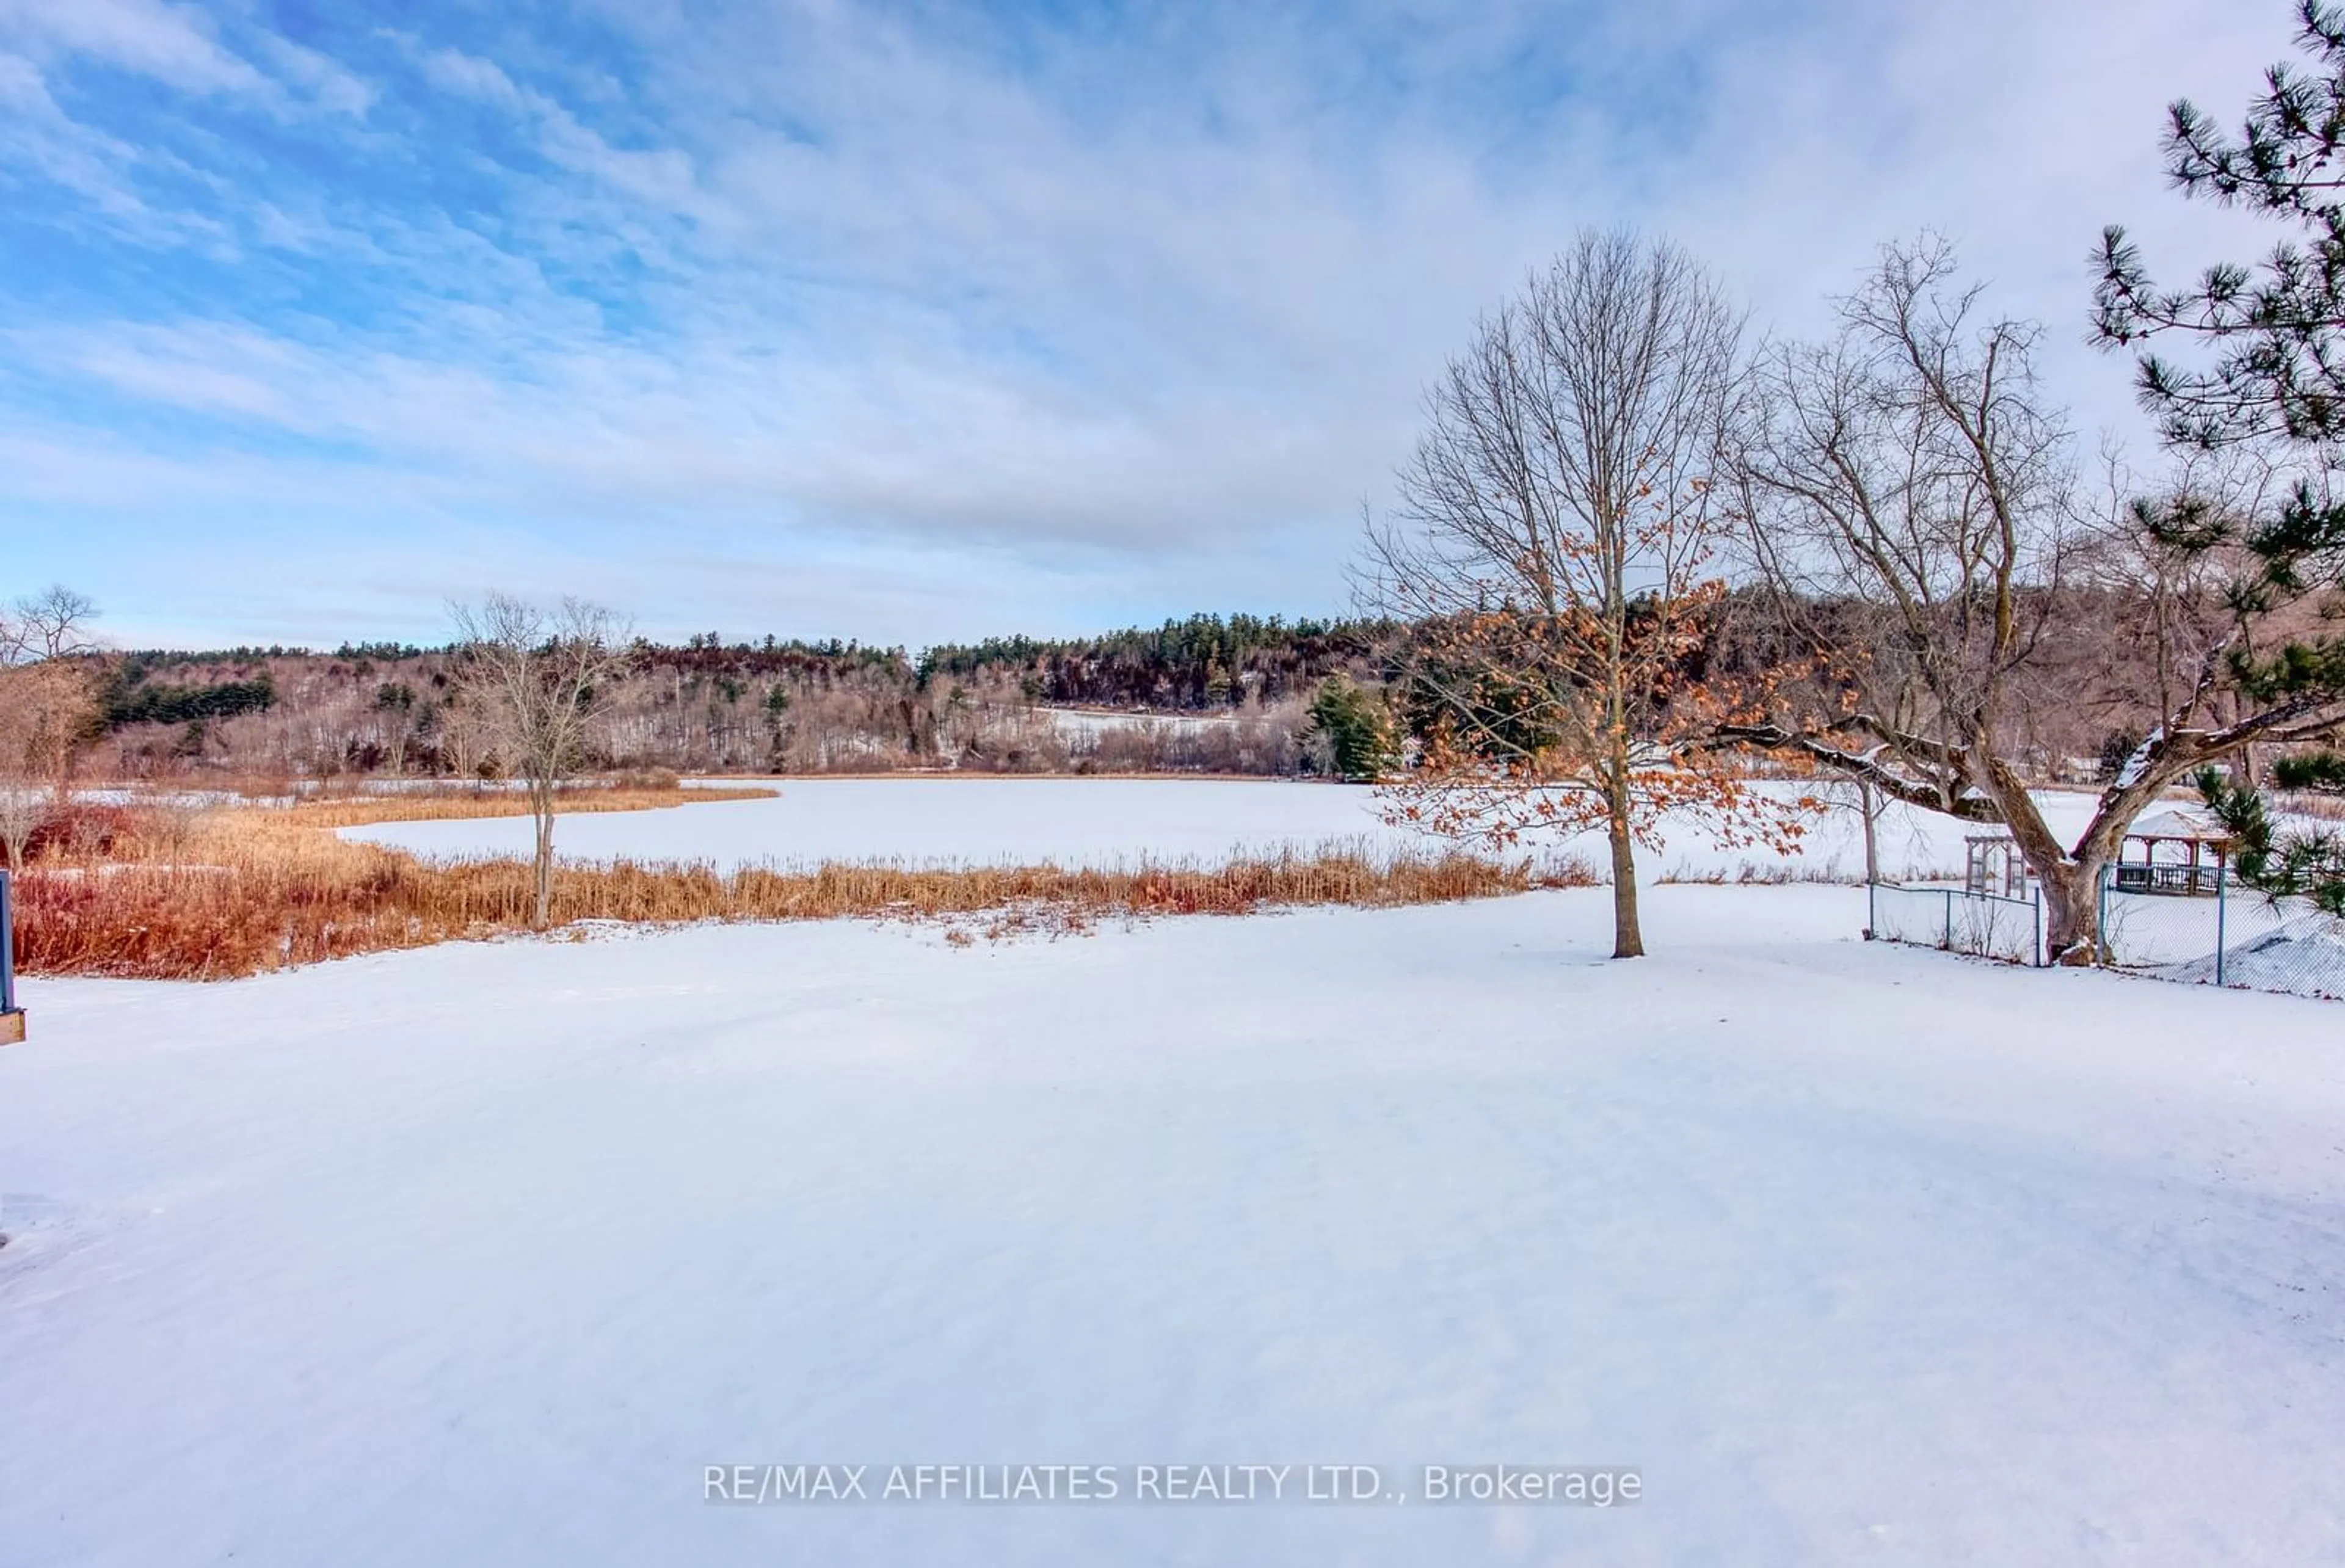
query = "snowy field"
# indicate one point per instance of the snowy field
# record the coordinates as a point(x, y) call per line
point(1098, 821)
point(484, 1254)
point(1091, 723)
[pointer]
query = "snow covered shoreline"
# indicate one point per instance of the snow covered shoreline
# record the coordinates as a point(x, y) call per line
point(484, 1253)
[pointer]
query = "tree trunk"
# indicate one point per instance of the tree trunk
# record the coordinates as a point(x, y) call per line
point(2072, 912)
point(1627, 936)
point(1870, 800)
point(544, 812)
point(2068, 882)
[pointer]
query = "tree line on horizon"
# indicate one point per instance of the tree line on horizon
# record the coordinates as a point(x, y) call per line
point(769, 704)
point(791, 705)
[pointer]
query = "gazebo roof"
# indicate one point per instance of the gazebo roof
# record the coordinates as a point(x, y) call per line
point(2180, 825)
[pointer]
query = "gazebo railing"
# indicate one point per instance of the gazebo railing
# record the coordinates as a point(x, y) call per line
point(2181, 880)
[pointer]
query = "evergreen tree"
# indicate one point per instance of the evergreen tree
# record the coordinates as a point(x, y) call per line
point(2277, 378)
point(1356, 728)
point(2278, 327)
point(2308, 865)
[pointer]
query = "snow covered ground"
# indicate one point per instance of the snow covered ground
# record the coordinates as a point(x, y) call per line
point(1089, 723)
point(1858, 1254)
point(1092, 821)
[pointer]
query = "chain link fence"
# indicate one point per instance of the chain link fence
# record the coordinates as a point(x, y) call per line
point(2010, 929)
point(2203, 930)
point(2222, 935)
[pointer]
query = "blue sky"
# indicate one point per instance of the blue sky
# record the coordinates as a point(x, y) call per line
point(910, 322)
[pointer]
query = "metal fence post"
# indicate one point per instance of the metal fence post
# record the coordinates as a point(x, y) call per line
point(2222, 922)
point(2101, 919)
point(1871, 913)
point(1950, 919)
point(2039, 927)
point(12, 1017)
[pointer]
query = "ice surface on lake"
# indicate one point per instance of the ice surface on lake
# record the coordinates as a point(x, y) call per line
point(1095, 821)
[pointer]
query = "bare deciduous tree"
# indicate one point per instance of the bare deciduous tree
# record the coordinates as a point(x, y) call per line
point(24, 799)
point(465, 745)
point(1553, 541)
point(536, 679)
point(49, 709)
point(52, 624)
point(1908, 482)
point(45, 711)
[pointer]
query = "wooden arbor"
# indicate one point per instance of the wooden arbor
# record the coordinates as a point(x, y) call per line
point(1993, 866)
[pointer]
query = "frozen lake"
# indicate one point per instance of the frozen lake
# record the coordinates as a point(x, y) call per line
point(1099, 821)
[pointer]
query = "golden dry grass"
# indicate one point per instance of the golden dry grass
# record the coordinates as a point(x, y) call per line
point(238, 891)
point(2321, 807)
point(421, 805)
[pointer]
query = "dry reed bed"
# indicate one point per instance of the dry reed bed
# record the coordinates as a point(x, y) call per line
point(2320, 807)
point(419, 805)
point(247, 891)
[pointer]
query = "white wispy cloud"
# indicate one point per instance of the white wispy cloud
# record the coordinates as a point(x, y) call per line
point(1109, 320)
point(172, 44)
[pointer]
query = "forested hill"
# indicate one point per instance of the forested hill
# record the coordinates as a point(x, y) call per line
point(710, 703)
point(1202, 663)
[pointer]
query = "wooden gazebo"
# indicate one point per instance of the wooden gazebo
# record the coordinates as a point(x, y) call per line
point(2181, 851)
